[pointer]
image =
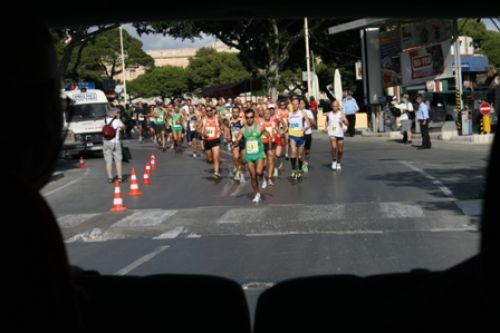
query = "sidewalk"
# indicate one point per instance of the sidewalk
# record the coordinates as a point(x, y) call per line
point(442, 134)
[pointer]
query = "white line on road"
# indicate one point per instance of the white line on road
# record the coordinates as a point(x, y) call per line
point(146, 218)
point(72, 220)
point(436, 182)
point(400, 210)
point(257, 285)
point(171, 234)
point(293, 233)
point(94, 235)
point(87, 171)
point(142, 260)
point(458, 229)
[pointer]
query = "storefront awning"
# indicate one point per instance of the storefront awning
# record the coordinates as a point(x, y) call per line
point(473, 63)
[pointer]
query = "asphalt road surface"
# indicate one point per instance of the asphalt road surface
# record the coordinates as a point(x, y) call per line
point(392, 208)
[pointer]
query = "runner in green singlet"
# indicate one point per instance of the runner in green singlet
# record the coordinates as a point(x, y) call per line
point(254, 149)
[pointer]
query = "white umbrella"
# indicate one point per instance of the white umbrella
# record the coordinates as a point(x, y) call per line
point(337, 86)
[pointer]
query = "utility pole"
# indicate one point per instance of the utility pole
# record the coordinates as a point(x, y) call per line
point(458, 79)
point(308, 62)
point(124, 75)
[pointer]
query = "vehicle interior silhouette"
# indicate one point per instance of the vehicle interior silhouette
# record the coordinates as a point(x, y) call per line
point(46, 294)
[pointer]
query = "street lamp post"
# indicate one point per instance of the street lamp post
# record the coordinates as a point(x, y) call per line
point(124, 76)
point(308, 62)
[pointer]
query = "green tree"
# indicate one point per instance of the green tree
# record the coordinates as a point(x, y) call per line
point(291, 81)
point(490, 46)
point(209, 67)
point(70, 43)
point(166, 81)
point(487, 41)
point(101, 58)
point(265, 45)
point(325, 77)
point(336, 51)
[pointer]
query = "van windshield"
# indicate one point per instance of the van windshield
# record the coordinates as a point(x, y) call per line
point(86, 111)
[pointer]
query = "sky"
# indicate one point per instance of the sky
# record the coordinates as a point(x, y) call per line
point(158, 41)
point(490, 25)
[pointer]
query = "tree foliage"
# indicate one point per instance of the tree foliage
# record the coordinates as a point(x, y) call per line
point(99, 58)
point(167, 81)
point(265, 45)
point(487, 41)
point(209, 67)
point(70, 43)
point(336, 51)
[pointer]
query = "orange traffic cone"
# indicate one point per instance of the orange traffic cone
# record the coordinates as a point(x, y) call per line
point(153, 162)
point(148, 168)
point(117, 200)
point(134, 187)
point(82, 163)
point(146, 180)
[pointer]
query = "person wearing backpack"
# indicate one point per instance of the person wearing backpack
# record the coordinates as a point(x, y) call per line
point(112, 149)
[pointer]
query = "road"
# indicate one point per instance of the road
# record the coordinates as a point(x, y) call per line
point(392, 208)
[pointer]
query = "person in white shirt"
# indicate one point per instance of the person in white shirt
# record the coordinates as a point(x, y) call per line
point(112, 149)
point(406, 118)
point(334, 122)
point(307, 135)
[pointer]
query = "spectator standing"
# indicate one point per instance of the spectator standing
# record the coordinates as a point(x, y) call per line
point(423, 119)
point(112, 149)
point(350, 109)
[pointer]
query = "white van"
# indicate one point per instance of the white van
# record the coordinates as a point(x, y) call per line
point(83, 119)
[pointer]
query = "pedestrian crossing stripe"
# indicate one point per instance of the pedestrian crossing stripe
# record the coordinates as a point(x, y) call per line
point(340, 218)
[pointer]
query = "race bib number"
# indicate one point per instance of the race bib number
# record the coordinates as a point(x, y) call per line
point(335, 128)
point(141, 117)
point(234, 136)
point(269, 130)
point(210, 130)
point(295, 130)
point(252, 146)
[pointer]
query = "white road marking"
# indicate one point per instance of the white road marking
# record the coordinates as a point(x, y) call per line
point(145, 218)
point(328, 212)
point(237, 215)
point(74, 181)
point(346, 232)
point(446, 191)
point(171, 234)
point(70, 221)
point(94, 235)
point(257, 285)
point(142, 260)
point(400, 210)
point(470, 228)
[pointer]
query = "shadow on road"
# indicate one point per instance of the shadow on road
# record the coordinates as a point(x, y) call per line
point(464, 183)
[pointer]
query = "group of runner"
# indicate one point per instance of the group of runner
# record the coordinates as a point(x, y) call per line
point(257, 134)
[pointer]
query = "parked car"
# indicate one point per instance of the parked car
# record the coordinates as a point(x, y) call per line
point(442, 106)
